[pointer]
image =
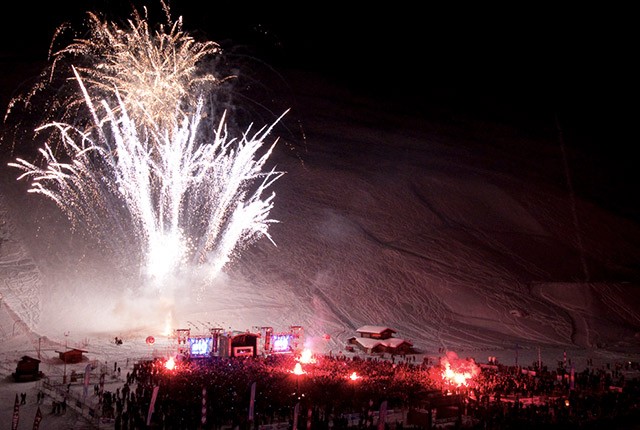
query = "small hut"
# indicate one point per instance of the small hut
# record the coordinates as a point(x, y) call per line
point(28, 369)
point(71, 355)
point(379, 339)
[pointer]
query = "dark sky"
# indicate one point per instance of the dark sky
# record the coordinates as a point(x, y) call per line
point(534, 59)
point(522, 56)
point(525, 49)
point(526, 46)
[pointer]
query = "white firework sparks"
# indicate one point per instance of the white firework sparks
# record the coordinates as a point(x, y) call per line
point(135, 158)
point(156, 71)
point(178, 199)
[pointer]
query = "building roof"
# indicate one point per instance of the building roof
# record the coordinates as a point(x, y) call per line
point(74, 350)
point(395, 342)
point(377, 329)
point(369, 343)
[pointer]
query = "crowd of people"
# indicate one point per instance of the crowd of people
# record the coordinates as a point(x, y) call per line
point(244, 393)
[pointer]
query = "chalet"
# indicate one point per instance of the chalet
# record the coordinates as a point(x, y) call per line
point(379, 339)
point(28, 369)
point(71, 355)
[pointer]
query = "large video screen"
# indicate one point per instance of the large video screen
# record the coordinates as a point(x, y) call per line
point(281, 342)
point(200, 346)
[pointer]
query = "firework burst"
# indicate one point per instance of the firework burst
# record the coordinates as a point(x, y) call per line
point(179, 200)
point(155, 71)
point(135, 158)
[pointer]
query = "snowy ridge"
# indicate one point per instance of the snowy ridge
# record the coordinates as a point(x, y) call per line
point(19, 275)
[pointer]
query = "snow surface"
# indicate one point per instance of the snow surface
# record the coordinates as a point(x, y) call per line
point(457, 232)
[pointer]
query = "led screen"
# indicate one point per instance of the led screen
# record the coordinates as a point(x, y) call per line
point(200, 346)
point(281, 342)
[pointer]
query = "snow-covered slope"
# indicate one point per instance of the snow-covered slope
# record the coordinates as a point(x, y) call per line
point(454, 231)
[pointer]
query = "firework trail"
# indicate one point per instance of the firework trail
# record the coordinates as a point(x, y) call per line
point(140, 166)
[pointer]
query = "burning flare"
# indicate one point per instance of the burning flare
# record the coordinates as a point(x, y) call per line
point(170, 364)
point(306, 357)
point(297, 369)
point(458, 372)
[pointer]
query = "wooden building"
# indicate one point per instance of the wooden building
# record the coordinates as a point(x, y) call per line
point(73, 355)
point(28, 369)
point(379, 339)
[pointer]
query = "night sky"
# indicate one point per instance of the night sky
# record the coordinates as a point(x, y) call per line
point(513, 50)
point(532, 61)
